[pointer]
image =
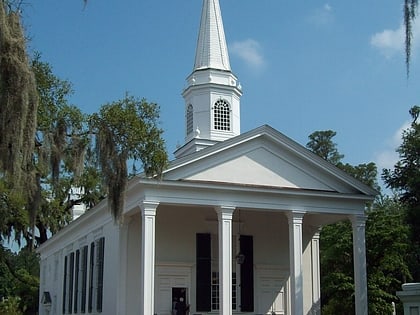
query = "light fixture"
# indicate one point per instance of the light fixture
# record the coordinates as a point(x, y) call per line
point(46, 298)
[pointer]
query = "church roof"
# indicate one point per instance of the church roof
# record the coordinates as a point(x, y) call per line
point(211, 45)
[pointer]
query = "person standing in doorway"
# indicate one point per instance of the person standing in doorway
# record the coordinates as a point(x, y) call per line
point(182, 307)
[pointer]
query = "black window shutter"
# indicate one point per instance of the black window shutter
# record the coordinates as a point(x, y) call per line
point(65, 285)
point(76, 281)
point(203, 274)
point(100, 278)
point(247, 273)
point(84, 278)
point(91, 284)
point(71, 283)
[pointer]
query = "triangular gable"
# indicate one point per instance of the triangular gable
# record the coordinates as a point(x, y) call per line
point(259, 167)
point(264, 157)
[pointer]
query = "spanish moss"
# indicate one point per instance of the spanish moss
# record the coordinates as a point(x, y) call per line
point(18, 107)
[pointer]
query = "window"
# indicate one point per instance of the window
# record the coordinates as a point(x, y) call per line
point(208, 289)
point(96, 278)
point(215, 291)
point(190, 119)
point(222, 115)
point(80, 289)
point(215, 300)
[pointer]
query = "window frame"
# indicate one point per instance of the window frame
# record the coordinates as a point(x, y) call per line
point(222, 115)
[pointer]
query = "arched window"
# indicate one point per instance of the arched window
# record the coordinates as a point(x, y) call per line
point(189, 119)
point(222, 115)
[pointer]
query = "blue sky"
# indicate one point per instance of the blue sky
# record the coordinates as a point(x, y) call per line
point(303, 66)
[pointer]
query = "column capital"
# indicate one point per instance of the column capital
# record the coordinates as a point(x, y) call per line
point(358, 220)
point(295, 216)
point(148, 207)
point(225, 212)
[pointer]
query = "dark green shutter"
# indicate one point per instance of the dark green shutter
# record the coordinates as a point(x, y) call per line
point(247, 274)
point(91, 284)
point(203, 274)
point(100, 278)
point(76, 282)
point(84, 277)
point(65, 285)
point(71, 283)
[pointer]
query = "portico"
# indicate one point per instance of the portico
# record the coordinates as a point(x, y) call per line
point(301, 212)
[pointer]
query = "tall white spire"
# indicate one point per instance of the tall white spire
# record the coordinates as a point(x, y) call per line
point(211, 45)
point(212, 95)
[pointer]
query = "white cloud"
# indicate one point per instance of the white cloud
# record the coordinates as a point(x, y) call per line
point(322, 16)
point(250, 51)
point(388, 156)
point(391, 42)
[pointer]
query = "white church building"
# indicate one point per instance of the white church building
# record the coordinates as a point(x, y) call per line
point(232, 227)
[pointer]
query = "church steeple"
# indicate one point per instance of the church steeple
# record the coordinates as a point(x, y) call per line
point(212, 95)
point(211, 45)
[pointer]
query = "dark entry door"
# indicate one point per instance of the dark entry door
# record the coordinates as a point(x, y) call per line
point(178, 295)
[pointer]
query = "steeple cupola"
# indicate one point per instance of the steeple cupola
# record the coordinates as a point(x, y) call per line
point(212, 95)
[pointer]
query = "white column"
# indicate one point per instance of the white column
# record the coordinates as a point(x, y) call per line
point(225, 214)
point(316, 275)
point(122, 261)
point(295, 249)
point(148, 214)
point(359, 257)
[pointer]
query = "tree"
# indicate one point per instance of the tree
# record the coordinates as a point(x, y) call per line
point(386, 242)
point(18, 113)
point(321, 143)
point(49, 149)
point(61, 156)
point(387, 251)
point(72, 150)
point(127, 130)
point(19, 282)
point(405, 179)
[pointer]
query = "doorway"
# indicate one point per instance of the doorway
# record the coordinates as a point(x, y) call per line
point(178, 295)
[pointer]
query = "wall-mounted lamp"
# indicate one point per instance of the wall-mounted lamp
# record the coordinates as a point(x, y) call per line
point(46, 298)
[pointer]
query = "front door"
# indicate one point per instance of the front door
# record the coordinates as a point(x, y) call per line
point(179, 295)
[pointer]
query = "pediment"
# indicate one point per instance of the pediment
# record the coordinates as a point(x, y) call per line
point(259, 167)
point(264, 157)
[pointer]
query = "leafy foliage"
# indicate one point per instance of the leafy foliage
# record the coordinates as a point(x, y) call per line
point(336, 257)
point(320, 142)
point(11, 306)
point(48, 161)
point(405, 179)
point(18, 282)
point(388, 249)
point(387, 246)
point(127, 129)
point(19, 103)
